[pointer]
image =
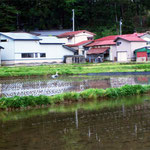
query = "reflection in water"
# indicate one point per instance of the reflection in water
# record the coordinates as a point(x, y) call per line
point(35, 87)
point(76, 114)
point(110, 125)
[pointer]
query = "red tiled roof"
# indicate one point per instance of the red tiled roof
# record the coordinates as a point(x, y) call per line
point(97, 50)
point(70, 34)
point(139, 34)
point(132, 38)
point(96, 43)
point(110, 40)
point(80, 43)
point(111, 37)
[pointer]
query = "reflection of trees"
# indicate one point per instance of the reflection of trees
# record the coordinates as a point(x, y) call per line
point(123, 127)
point(72, 140)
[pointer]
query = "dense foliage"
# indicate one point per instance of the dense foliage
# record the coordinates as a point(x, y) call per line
point(99, 16)
point(70, 97)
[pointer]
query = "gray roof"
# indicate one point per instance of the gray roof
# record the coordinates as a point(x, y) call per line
point(50, 32)
point(51, 40)
point(20, 36)
point(69, 48)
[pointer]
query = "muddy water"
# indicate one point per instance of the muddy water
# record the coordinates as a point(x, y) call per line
point(49, 86)
point(111, 125)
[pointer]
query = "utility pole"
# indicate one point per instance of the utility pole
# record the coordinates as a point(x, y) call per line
point(17, 21)
point(73, 20)
point(120, 26)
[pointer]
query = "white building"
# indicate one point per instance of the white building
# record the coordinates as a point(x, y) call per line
point(21, 48)
point(75, 37)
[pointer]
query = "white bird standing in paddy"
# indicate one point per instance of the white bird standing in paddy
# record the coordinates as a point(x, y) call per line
point(55, 75)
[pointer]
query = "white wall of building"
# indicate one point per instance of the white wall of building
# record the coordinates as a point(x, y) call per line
point(8, 52)
point(129, 47)
point(112, 52)
point(146, 37)
point(81, 37)
point(78, 38)
point(13, 51)
point(136, 45)
point(125, 46)
point(55, 51)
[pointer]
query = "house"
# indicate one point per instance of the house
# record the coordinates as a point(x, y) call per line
point(100, 44)
point(75, 37)
point(121, 47)
point(125, 46)
point(142, 54)
point(97, 54)
point(80, 47)
point(22, 48)
point(0, 53)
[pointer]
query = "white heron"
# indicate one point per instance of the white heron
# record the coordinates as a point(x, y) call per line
point(55, 75)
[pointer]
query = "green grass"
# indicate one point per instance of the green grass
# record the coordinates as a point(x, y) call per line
point(87, 106)
point(71, 97)
point(66, 69)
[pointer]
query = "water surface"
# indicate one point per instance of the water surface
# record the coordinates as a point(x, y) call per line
point(122, 124)
point(48, 86)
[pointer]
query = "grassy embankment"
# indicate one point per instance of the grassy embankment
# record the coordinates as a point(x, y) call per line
point(73, 69)
point(71, 97)
point(86, 106)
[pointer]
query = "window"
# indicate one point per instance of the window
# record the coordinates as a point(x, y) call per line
point(90, 38)
point(36, 55)
point(148, 43)
point(27, 55)
point(4, 40)
point(86, 48)
point(42, 54)
point(148, 54)
point(118, 43)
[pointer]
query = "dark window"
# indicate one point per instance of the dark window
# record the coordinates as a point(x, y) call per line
point(148, 54)
point(86, 48)
point(118, 43)
point(42, 54)
point(4, 40)
point(90, 38)
point(148, 42)
point(27, 55)
point(36, 55)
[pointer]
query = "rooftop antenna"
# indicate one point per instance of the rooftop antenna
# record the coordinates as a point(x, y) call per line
point(73, 20)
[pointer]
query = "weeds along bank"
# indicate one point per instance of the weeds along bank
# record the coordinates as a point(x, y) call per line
point(71, 97)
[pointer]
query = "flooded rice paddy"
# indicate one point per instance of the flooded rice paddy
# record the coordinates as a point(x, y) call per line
point(48, 86)
point(122, 124)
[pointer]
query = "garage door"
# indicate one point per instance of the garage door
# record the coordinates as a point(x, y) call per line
point(122, 56)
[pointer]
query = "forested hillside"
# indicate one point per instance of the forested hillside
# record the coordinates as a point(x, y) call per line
point(99, 16)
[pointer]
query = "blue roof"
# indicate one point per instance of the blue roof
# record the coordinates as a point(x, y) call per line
point(20, 36)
